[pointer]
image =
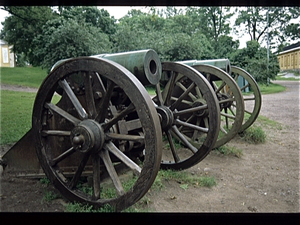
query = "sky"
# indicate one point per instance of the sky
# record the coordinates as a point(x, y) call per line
point(120, 11)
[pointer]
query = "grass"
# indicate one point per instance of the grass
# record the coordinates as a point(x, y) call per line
point(286, 78)
point(23, 76)
point(271, 88)
point(254, 135)
point(226, 150)
point(49, 196)
point(16, 111)
point(265, 121)
point(151, 90)
point(184, 179)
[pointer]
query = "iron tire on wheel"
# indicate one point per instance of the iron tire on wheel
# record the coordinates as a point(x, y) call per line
point(183, 115)
point(232, 111)
point(80, 136)
point(256, 99)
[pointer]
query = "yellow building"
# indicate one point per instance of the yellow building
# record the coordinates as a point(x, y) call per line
point(7, 57)
point(289, 58)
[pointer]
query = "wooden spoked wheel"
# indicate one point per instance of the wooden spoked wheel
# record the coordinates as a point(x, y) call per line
point(189, 114)
point(97, 133)
point(230, 100)
point(253, 99)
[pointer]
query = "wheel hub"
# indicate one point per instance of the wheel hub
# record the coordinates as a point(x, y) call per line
point(87, 136)
point(201, 112)
point(166, 117)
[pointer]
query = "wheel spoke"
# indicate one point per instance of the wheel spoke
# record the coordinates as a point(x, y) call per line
point(80, 110)
point(190, 110)
point(79, 171)
point(63, 113)
point(195, 133)
point(187, 121)
point(183, 101)
point(223, 130)
point(183, 139)
point(219, 88)
point(187, 89)
point(246, 111)
point(244, 87)
point(172, 146)
point(198, 92)
point(96, 175)
point(125, 137)
point(226, 118)
point(119, 154)
point(189, 125)
point(112, 172)
point(61, 157)
point(183, 95)
point(226, 100)
point(159, 95)
point(55, 133)
point(236, 77)
point(91, 108)
point(227, 115)
point(105, 101)
point(119, 116)
point(231, 110)
point(169, 87)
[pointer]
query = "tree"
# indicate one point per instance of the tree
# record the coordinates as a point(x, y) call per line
point(226, 46)
point(23, 24)
point(254, 20)
point(293, 31)
point(253, 59)
point(67, 38)
point(92, 15)
point(213, 22)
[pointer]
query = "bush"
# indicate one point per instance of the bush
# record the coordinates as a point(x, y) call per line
point(253, 59)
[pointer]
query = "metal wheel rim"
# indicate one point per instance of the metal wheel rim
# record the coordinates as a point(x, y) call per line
point(257, 97)
point(235, 117)
point(146, 113)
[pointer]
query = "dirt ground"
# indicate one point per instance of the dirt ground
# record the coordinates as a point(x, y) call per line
point(264, 179)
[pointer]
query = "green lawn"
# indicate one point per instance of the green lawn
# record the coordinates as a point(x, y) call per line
point(16, 111)
point(271, 88)
point(23, 76)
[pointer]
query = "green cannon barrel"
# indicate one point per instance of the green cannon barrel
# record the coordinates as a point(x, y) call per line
point(144, 64)
point(223, 64)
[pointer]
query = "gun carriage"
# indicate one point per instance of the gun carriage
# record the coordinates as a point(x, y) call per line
point(98, 135)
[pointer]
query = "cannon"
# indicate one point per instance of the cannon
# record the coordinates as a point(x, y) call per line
point(97, 134)
point(236, 115)
point(100, 137)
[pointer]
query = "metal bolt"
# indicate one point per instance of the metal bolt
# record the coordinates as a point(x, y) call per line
point(98, 95)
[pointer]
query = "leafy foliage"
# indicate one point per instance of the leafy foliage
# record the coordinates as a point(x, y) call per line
point(253, 59)
point(23, 25)
point(62, 38)
point(43, 35)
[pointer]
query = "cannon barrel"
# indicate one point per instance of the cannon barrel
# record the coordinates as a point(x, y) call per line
point(223, 64)
point(143, 64)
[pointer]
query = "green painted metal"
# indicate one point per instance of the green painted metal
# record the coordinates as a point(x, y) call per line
point(223, 64)
point(144, 64)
